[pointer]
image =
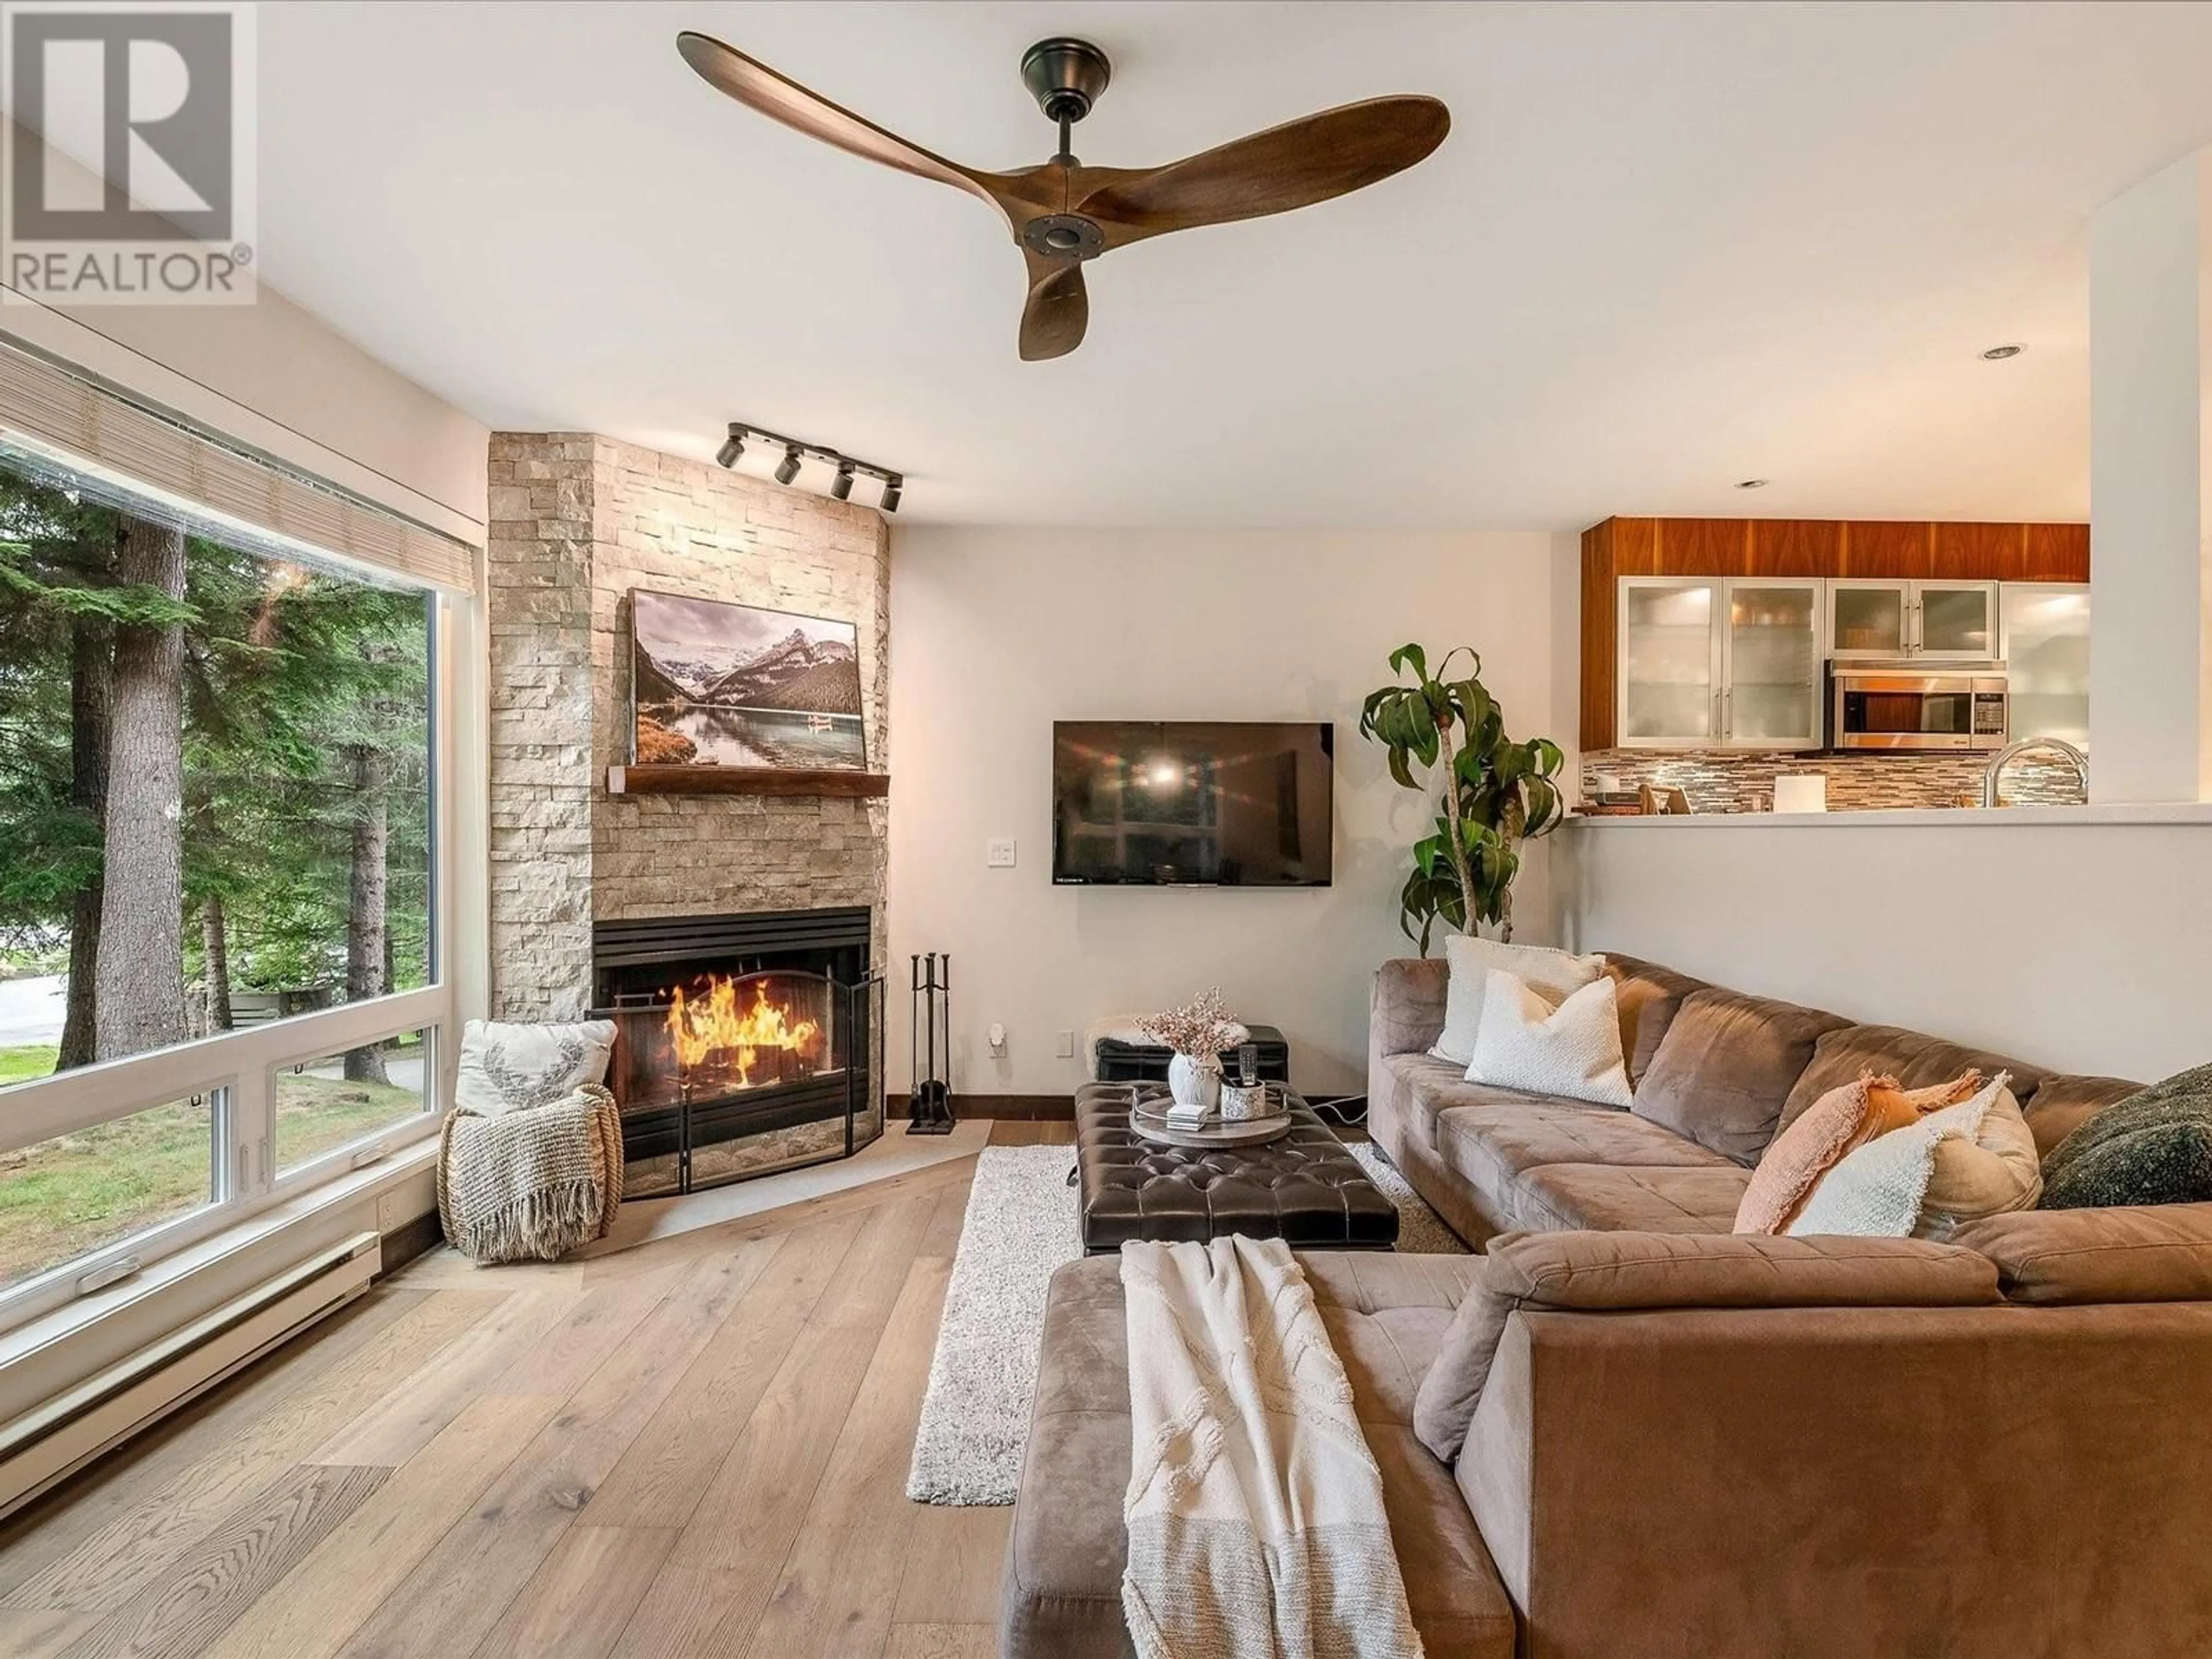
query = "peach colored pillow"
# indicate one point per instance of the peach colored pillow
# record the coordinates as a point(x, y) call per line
point(1836, 1124)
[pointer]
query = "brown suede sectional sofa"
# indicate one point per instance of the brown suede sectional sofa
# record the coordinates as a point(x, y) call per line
point(1691, 1446)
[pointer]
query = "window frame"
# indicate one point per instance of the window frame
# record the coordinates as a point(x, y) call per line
point(238, 1067)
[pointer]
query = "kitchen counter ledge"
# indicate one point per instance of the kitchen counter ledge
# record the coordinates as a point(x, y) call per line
point(1973, 817)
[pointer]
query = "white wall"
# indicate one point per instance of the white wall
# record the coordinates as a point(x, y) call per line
point(996, 634)
point(278, 378)
point(2073, 938)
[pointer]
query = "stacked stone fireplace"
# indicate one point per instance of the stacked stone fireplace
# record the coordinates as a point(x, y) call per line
point(580, 521)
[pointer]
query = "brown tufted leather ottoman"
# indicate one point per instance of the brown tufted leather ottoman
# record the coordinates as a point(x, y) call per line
point(1303, 1186)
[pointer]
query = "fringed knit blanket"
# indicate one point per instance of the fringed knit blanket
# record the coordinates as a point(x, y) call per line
point(1256, 1528)
point(533, 1184)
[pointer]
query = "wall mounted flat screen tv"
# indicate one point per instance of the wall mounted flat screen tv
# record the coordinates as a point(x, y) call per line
point(1192, 803)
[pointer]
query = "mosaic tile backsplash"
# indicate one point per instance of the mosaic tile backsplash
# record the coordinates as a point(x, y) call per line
point(1732, 782)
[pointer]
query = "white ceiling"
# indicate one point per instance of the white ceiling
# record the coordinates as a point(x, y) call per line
point(1667, 246)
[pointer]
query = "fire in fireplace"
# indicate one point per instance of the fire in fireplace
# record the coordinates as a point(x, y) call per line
point(748, 1023)
point(745, 1043)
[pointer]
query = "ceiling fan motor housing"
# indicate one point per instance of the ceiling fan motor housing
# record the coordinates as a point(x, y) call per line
point(1065, 76)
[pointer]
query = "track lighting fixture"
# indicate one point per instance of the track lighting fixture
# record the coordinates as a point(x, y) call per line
point(797, 452)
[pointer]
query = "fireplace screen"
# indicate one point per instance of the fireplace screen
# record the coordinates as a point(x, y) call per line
point(744, 1044)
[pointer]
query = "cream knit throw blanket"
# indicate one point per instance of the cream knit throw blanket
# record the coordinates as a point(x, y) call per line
point(1254, 1508)
point(533, 1184)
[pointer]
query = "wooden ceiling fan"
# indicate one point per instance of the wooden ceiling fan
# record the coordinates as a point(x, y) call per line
point(1063, 212)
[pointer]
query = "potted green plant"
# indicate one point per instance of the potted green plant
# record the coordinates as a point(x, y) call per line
point(1497, 793)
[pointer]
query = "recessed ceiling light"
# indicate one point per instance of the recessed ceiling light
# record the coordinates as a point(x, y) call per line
point(1999, 353)
point(1751, 483)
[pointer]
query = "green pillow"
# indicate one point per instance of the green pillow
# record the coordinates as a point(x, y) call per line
point(2153, 1147)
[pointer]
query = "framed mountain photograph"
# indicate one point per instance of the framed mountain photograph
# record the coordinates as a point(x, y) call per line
point(720, 685)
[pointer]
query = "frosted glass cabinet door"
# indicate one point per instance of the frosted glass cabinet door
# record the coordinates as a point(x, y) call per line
point(1956, 620)
point(1869, 620)
point(1669, 662)
point(2046, 651)
point(1771, 675)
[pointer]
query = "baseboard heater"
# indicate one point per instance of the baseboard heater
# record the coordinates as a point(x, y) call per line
point(51, 1442)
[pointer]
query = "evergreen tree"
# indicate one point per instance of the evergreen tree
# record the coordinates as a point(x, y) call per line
point(300, 808)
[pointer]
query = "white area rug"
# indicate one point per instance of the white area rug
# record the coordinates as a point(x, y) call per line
point(1020, 1227)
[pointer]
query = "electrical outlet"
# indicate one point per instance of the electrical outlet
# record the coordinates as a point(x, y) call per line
point(999, 853)
point(391, 1211)
point(1063, 1044)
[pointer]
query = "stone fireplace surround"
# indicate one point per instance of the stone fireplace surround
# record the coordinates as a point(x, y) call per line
point(577, 521)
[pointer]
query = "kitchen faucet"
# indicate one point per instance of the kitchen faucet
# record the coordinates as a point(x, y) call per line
point(2075, 759)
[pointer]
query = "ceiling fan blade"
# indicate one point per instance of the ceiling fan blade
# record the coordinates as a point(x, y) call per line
point(780, 97)
point(1057, 311)
point(1292, 165)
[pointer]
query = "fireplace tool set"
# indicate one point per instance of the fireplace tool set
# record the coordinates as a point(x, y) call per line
point(929, 1112)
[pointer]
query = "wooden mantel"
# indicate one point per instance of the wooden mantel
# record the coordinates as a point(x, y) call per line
point(1909, 548)
point(743, 780)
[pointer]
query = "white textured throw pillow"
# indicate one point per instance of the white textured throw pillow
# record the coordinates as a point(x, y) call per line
point(507, 1067)
point(1926, 1180)
point(1571, 1051)
point(1551, 974)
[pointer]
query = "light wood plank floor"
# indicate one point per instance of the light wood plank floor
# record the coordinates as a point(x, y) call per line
point(698, 1446)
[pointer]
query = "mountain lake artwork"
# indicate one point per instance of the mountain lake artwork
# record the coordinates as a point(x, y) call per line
point(720, 685)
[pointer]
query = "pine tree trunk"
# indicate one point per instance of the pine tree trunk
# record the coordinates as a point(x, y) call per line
point(215, 951)
point(141, 977)
point(366, 895)
point(92, 668)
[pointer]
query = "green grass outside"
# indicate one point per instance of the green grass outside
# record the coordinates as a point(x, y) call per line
point(77, 1192)
point(26, 1061)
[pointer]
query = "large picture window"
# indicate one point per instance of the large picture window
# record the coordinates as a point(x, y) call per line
point(218, 836)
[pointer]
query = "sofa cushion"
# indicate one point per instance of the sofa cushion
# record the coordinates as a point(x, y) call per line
point(1606, 1197)
point(1839, 1123)
point(1506, 1138)
point(2160, 1253)
point(1386, 1316)
point(1649, 998)
point(2064, 1103)
point(1728, 1063)
point(1434, 1086)
point(1570, 1049)
point(1490, 1147)
point(1960, 1163)
point(1915, 1059)
point(1613, 1270)
point(1406, 1008)
point(1552, 974)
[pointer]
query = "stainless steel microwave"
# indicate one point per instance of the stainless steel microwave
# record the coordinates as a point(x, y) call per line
point(1917, 708)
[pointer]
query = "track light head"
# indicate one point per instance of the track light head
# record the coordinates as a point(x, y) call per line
point(787, 468)
point(733, 446)
point(891, 487)
point(842, 486)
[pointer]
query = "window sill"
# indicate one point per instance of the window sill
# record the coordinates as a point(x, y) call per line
point(55, 1351)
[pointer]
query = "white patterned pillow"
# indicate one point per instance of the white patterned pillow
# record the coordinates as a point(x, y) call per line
point(1925, 1180)
point(1551, 974)
point(507, 1067)
point(1571, 1051)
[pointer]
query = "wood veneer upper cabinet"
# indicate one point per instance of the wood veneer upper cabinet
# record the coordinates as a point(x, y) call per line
point(1913, 550)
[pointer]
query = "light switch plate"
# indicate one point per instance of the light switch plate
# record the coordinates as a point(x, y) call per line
point(1063, 1044)
point(999, 853)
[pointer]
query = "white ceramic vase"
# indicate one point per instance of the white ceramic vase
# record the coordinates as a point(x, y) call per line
point(1194, 1082)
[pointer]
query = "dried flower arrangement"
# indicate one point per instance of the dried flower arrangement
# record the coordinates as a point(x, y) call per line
point(1202, 1030)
